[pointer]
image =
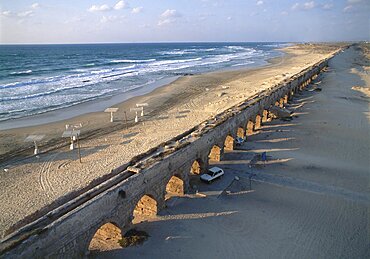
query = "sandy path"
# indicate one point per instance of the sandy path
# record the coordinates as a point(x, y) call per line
point(30, 184)
point(310, 200)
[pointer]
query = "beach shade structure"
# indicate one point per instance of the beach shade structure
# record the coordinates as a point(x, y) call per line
point(142, 105)
point(73, 135)
point(111, 111)
point(136, 110)
point(34, 138)
point(73, 127)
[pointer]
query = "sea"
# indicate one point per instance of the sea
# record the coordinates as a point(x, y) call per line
point(37, 79)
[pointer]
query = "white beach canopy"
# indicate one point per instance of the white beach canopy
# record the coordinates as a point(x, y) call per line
point(34, 139)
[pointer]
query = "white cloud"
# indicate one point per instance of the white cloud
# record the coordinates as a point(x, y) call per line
point(309, 5)
point(6, 13)
point(168, 16)
point(284, 13)
point(259, 2)
point(120, 5)
point(304, 6)
point(137, 9)
point(229, 18)
point(35, 6)
point(25, 14)
point(348, 8)
point(99, 8)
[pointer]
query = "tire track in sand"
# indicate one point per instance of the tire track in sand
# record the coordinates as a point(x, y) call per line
point(44, 175)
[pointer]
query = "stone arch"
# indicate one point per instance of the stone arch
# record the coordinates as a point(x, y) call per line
point(229, 143)
point(146, 207)
point(281, 102)
point(196, 167)
point(174, 187)
point(215, 153)
point(258, 122)
point(286, 98)
point(250, 127)
point(241, 132)
point(105, 238)
point(265, 116)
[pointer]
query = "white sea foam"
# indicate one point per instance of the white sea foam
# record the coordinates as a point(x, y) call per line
point(132, 60)
point(22, 72)
point(236, 47)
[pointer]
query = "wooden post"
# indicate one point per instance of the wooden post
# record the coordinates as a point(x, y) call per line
point(125, 117)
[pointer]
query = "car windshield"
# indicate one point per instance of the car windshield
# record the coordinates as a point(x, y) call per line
point(211, 173)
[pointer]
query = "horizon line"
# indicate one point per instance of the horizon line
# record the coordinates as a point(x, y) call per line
point(174, 42)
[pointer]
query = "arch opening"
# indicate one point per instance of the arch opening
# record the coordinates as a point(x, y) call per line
point(250, 127)
point(257, 125)
point(106, 238)
point(229, 143)
point(215, 153)
point(195, 168)
point(145, 208)
point(265, 116)
point(174, 187)
point(286, 98)
point(281, 103)
point(241, 133)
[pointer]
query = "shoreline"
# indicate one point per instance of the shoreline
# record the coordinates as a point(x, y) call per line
point(98, 105)
point(48, 128)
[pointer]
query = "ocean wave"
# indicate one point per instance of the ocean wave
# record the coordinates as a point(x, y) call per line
point(185, 51)
point(235, 47)
point(208, 50)
point(54, 107)
point(132, 60)
point(25, 72)
point(32, 96)
point(176, 61)
point(173, 52)
point(10, 85)
point(89, 65)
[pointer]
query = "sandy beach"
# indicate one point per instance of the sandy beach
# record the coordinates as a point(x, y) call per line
point(310, 199)
point(30, 183)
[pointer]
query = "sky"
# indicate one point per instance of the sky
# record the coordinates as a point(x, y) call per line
point(100, 21)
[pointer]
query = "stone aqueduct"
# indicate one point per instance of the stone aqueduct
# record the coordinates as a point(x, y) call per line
point(144, 190)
